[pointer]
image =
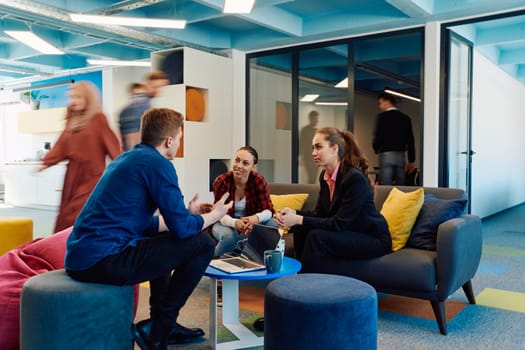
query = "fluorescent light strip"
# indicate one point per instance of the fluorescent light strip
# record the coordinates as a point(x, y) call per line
point(45, 85)
point(309, 97)
point(238, 6)
point(19, 81)
point(331, 103)
point(342, 84)
point(120, 63)
point(28, 38)
point(8, 70)
point(129, 21)
point(400, 94)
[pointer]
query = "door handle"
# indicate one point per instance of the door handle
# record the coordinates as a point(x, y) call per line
point(470, 153)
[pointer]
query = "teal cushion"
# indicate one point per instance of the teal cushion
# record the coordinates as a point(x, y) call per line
point(434, 212)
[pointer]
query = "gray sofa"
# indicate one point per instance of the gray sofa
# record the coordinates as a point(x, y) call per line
point(411, 272)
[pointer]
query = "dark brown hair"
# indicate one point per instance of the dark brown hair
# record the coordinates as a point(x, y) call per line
point(348, 149)
point(252, 151)
point(158, 123)
point(387, 97)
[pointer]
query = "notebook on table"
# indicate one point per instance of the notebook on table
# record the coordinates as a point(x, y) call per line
point(251, 257)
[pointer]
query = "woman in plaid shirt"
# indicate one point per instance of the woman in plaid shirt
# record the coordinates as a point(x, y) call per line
point(252, 203)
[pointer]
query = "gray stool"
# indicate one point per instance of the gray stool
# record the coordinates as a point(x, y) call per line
point(58, 313)
point(318, 311)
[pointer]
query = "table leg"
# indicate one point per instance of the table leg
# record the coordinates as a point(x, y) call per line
point(230, 301)
point(213, 314)
point(230, 318)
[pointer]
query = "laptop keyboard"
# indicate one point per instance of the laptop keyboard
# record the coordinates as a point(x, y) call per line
point(241, 263)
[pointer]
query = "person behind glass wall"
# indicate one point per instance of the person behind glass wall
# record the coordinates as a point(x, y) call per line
point(85, 142)
point(305, 147)
point(249, 193)
point(345, 222)
point(118, 240)
point(393, 137)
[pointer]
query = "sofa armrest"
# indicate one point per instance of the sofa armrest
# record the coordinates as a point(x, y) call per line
point(459, 244)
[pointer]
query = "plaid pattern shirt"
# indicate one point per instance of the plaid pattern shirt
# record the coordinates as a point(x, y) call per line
point(256, 192)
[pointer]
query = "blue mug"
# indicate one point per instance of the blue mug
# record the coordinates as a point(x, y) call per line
point(273, 259)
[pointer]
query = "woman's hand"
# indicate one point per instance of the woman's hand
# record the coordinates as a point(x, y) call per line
point(41, 168)
point(240, 225)
point(247, 223)
point(287, 217)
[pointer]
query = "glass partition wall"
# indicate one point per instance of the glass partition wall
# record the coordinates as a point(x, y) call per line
point(270, 110)
point(293, 91)
point(323, 100)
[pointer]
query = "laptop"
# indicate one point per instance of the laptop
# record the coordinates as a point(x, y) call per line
point(251, 257)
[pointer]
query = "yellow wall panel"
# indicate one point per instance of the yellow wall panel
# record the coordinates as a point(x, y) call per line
point(42, 121)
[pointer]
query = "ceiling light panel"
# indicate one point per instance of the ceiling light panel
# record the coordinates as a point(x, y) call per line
point(331, 103)
point(120, 63)
point(129, 21)
point(238, 6)
point(309, 97)
point(30, 39)
point(342, 84)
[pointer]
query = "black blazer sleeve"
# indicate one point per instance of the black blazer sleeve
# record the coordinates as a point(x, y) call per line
point(352, 193)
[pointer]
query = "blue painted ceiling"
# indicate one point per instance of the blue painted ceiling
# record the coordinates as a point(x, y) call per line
point(272, 24)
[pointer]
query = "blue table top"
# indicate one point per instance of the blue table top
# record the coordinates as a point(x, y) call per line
point(290, 266)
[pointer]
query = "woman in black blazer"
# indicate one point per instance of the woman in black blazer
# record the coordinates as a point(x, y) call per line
point(345, 223)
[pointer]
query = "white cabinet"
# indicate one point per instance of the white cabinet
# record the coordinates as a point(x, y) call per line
point(20, 184)
point(49, 185)
point(25, 187)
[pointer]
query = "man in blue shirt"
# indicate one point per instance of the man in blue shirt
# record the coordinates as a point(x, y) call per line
point(118, 240)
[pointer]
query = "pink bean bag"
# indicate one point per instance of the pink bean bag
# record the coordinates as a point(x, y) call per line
point(16, 267)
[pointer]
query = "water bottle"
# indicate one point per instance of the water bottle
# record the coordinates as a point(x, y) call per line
point(280, 247)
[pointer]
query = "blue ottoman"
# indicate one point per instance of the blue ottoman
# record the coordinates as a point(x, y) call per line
point(58, 313)
point(318, 311)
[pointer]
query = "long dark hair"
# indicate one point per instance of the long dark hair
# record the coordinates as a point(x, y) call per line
point(348, 149)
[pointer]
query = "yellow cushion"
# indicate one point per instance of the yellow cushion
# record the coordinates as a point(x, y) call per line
point(293, 201)
point(14, 231)
point(400, 210)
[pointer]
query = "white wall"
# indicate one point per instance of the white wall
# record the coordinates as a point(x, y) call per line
point(266, 89)
point(498, 127)
point(212, 138)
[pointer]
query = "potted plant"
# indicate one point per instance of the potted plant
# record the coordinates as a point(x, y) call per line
point(34, 97)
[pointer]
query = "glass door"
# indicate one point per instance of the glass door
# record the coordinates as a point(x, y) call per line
point(459, 152)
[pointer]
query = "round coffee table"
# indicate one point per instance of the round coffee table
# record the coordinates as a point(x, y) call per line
point(230, 302)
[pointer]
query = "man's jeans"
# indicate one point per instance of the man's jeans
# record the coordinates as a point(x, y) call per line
point(173, 266)
point(392, 168)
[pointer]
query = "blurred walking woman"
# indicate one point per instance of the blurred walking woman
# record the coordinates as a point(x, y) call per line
point(345, 223)
point(84, 143)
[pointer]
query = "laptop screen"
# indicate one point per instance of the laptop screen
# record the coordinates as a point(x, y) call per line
point(260, 239)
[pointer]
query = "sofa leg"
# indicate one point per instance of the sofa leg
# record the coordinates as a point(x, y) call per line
point(467, 288)
point(441, 318)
